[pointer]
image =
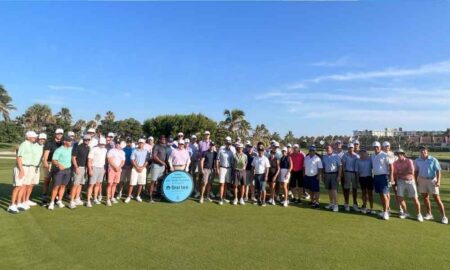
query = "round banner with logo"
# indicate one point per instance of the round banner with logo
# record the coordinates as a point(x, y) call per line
point(177, 186)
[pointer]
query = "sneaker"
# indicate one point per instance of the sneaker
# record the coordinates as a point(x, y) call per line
point(386, 216)
point(381, 214)
point(364, 211)
point(96, 201)
point(306, 196)
point(138, 198)
point(119, 196)
point(88, 204)
point(226, 201)
point(108, 203)
point(114, 201)
point(420, 218)
point(254, 199)
point(316, 205)
point(60, 204)
point(127, 200)
point(72, 205)
point(285, 203)
point(402, 215)
point(355, 208)
point(23, 207)
point(13, 209)
point(197, 195)
point(428, 217)
point(444, 220)
point(329, 207)
point(51, 206)
point(335, 208)
point(31, 203)
point(263, 204)
point(241, 201)
point(100, 197)
point(209, 199)
point(270, 201)
point(201, 200)
point(221, 202)
point(78, 202)
point(235, 201)
point(273, 202)
point(151, 201)
point(346, 208)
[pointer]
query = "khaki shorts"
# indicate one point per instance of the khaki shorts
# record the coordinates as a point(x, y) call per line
point(208, 176)
point(224, 175)
point(79, 179)
point(30, 177)
point(428, 186)
point(408, 186)
point(138, 178)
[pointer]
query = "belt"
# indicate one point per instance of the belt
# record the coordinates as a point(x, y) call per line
point(23, 165)
point(224, 167)
point(350, 171)
point(429, 178)
point(331, 173)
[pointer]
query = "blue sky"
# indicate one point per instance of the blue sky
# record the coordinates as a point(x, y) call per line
point(315, 68)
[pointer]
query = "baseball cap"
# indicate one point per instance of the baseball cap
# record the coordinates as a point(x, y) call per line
point(207, 132)
point(212, 143)
point(43, 136)
point(59, 131)
point(141, 140)
point(248, 143)
point(351, 145)
point(180, 134)
point(187, 140)
point(180, 142)
point(386, 144)
point(356, 142)
point(312, 148)
point(338, 142)
point(31, 134)
point(289, 145)
point(399, 151)
point(151, 138)
point(71, 133)
point(86, 137)
point(423, 147)
point(239, 145)
point(376, 144)
point(284, 149)
point(228, 139)
point(129, 140)
point(102, 140)
point(193, 137)
point(110, 134)
point(276, 144)
point(91, 130)
point(67, 138)
point(296, 146)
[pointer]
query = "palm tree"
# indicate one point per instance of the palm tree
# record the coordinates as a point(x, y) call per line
point(37, 117)
point(261, 134)
point(97, 119)
point(5, 103)
point(65, 115)
point(235, 122)
point(109, 117)
point(289, 138)
point(78, 126)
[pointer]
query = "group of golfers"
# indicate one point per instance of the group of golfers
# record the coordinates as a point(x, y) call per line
point(247, 173)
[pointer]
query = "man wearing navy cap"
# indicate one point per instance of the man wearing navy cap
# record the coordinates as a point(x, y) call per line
point(312, 174)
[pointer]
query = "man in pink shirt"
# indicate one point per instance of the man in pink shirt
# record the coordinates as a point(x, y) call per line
point(404, 177)
point(296, 182)
point(179, 158)
point(116, 160)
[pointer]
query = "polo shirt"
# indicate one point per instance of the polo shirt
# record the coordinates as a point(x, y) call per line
point(428, 167)
point(179, 157)
point(349, 161)
point(210, 157)
point(29, 152)
point(260, 164)
point(194, 151)
point(240, 161)
point(117, 155)
point(51, 146)
point(380, 163)
point(312, 165)
point(160, 151)
point(64, 156)
point(225, 157)
point(128, 151)
point(331, 163)
point(37, 155)
point(203, 146)
point(404, 169)
point(81, 153)
point(98, 156)
point(363, 167)
point(250, 157)
point(139, 156)
point(298, 161)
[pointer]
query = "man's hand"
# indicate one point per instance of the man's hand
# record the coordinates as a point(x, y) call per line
point(78, 171)
point(46, 165)
point(90, 172)
point(60, 167)
point(21, 174)
point(438, 183)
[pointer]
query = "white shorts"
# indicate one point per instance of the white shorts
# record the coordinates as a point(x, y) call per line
point(408, 186)
point(224, 175)
point(428, 186)
point(30, 177)
point(138, 178)
point(284, 176)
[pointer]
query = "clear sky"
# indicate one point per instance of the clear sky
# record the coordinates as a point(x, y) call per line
point(315, 68)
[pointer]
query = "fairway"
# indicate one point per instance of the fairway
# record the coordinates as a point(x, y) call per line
point(209, 236)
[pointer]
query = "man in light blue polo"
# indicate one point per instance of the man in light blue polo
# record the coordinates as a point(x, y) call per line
point(383, 170)
point(332, 172)
point(428, 175)
point(349, 180)
point(224, 164)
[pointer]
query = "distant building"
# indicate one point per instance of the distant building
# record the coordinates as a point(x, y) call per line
point(394, 132)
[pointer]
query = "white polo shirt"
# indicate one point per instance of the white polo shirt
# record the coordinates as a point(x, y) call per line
point(260, 164)
point(380, 163)
point(98, 156)
point(312, 165)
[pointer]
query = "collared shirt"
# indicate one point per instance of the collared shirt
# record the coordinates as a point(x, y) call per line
point(210, 157)
point(160, 151)
point(30, 153)
point(37, 154)
point(392, 156)
point(179, 157)
point(348, 161)
point(64, 156)
point(128, 151)
point(203, 146)
point(98, 156)
point(331, 163)
point(148, 147)
point(51, 146)
point(380, 163)
point(428, 167)
point(225, 157)
point(139, 156)
point(404, 169)
point(118, 156)
point(81, 153)
point(298, 161)
point(240, 161)
point(312, 165)
point(340, 154)
point(93, 142)
point(194, 149)
point(250, 156)
point(363, 167)
point(260, 164)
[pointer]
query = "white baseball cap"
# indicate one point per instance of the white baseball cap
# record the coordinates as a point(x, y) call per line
point(248, 143)
point(187, 140)
point(276, 144)
point(59, 131)
point(228, 139)
point(193, 137)
point(386, 144)
point(43, 136)
point(207, 132)
point(102, 140)
point(110, 134)
point(91, 130)
point(296, 146)
point(151, 138)
point(180, 134)
point(284, 149)
point(351, 145)
point(239, 145)
point(376, 144)
point(356, 142)
point(289, 145)
point(141, 140)
point(71, 133)
point(31, 134)
point(180, 142)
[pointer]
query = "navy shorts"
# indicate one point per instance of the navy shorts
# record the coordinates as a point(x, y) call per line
point(260, 183)
point(366, 183)
point(381, 183)
point(312, 183)
point(62, 178)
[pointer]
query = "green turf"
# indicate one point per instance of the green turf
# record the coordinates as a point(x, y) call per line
point(209, 236)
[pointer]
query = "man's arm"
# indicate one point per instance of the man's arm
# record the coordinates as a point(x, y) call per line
point(438, 178)
point(45, 158)
point(391, 173)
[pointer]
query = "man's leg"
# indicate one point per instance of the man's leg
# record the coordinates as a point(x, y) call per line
point(426, 201)
point(438, 201)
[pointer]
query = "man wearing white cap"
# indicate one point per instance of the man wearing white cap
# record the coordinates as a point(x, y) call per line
point(139, 161)
point(224, 164)
point(80, 155)
point(383, 170)
point(350, 181)
point(96, 170)
point(357, 146)
point(312, 174)
point(203, 146)
point(193, 168)
point(116, 160)
point(149, 144)
point(386, 147)
point(24, 172)
point(240, 174)
point(49, 148)
point(179, 159)
point(94, 140)
point(180, 136)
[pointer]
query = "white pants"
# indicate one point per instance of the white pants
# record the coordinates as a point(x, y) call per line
point(138, 178)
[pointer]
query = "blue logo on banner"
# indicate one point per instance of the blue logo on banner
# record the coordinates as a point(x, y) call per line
point(177, 186)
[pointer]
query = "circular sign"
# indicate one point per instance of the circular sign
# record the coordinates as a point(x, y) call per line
point(177, 186)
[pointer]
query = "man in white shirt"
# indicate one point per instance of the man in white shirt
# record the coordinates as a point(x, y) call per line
point(261, 166)
point(116, 160)
point(313, 174)
point(139, 163)
point(96, 171)
point(383, 170)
